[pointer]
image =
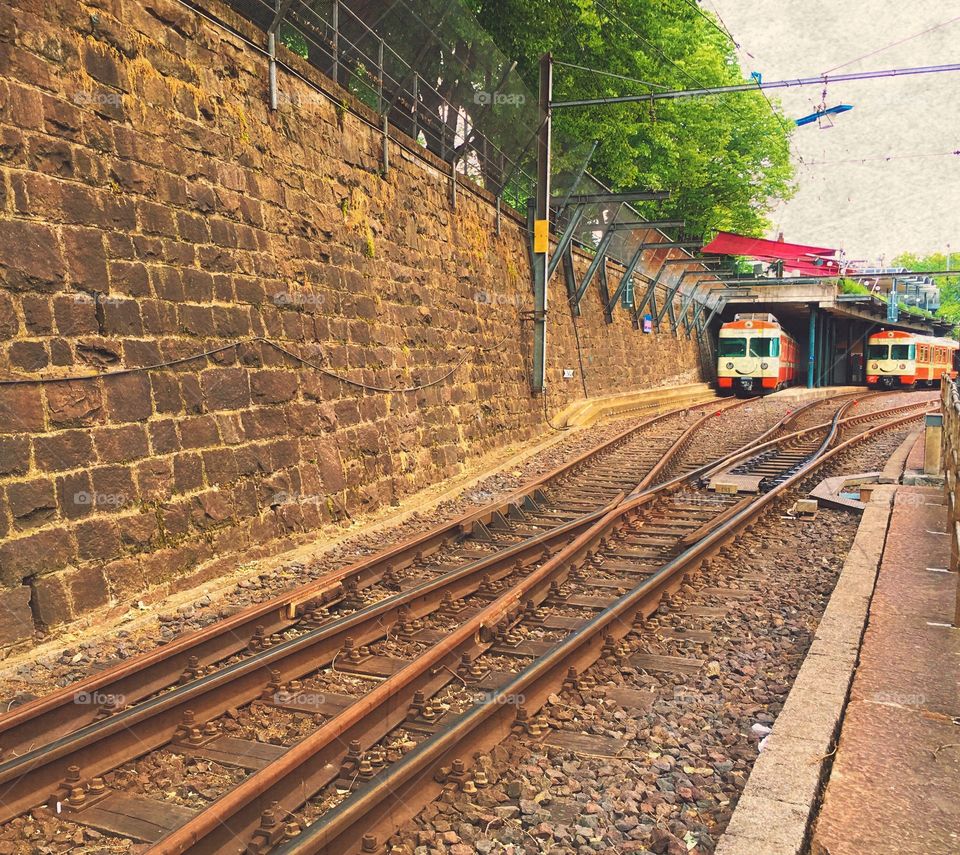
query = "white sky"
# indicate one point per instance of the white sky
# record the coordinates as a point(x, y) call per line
point(877, 208)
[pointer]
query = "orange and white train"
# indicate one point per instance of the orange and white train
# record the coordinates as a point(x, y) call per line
point(904, 360)
point(755, 354)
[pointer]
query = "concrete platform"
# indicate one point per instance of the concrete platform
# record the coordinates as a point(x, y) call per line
point(864, 758)
point(801, 393)
point(894, 788)
point(913, 473)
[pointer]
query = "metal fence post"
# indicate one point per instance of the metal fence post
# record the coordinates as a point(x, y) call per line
point(453, 185)
point(335, 19)
point(416, 107)
point(380, 77)
point(272, 69)
point(280, 10)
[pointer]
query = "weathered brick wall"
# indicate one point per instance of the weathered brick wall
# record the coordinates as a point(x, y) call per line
point(151, 209)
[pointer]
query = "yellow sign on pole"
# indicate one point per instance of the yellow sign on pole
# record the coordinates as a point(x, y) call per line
point(541, 235)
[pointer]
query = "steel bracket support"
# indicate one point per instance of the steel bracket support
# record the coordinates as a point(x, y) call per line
point(689, 323)
point(718, 307)
point(599, 259)
point(624, 279)
point(569, 276)
point(647, 297)
point(696, 315)
point(602, 284)
point(687, 298)
point(565, 240)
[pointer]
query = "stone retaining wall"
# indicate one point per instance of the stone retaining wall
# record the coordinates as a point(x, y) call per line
point(153, 209)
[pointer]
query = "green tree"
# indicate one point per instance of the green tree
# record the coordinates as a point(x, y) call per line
point(725, 159)
point(949, 285)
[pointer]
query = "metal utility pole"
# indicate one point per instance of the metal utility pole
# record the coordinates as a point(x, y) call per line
point(541, 229)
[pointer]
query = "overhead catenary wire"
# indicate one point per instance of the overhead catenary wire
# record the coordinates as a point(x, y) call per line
point(883, 157)
point(610, 74)
point(892, 45)
point(720, 28)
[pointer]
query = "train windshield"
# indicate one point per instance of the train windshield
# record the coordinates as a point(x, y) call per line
point(878, 351)
point(903, 351)
point(764, 347)
point(733, 347)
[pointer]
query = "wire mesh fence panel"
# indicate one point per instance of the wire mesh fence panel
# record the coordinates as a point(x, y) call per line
point(429, 68)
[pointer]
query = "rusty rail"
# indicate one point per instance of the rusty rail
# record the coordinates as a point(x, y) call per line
point(312, 763)
point(399, 792)
point(144, 675)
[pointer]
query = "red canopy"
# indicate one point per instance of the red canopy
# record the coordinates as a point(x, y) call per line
point(810, 260)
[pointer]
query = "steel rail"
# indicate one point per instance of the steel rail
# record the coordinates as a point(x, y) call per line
point(836, 425)
point(103, 744)
point(146, 674)
point(26, 780)
point(400, 791)
point(313, 762)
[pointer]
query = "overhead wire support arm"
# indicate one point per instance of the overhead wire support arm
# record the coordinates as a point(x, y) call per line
point(565, 239)
point(612, 198)
point(638, 225)
point(749, 87)
point(598, 259)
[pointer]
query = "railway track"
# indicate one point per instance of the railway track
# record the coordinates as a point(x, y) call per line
point(479, 625)
point(619, 462)
point(133, 704)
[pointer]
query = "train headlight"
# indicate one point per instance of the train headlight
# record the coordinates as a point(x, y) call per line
point(901, 366)
point(729, 365)
point(764, 366)
point(874, 365)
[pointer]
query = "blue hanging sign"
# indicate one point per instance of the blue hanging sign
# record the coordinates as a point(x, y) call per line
point(648, 323)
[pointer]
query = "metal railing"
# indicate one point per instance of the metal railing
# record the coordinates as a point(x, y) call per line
point(403, 61)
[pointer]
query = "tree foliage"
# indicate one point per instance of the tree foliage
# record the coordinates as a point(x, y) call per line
point(725, 159)
point(949, 285)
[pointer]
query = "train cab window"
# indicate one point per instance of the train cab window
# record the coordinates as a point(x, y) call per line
point(764, 346)
point(733, 347)
point(903, 351)
point(878, 351)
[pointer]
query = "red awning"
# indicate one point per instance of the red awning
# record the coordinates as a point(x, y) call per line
point(797, 257)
